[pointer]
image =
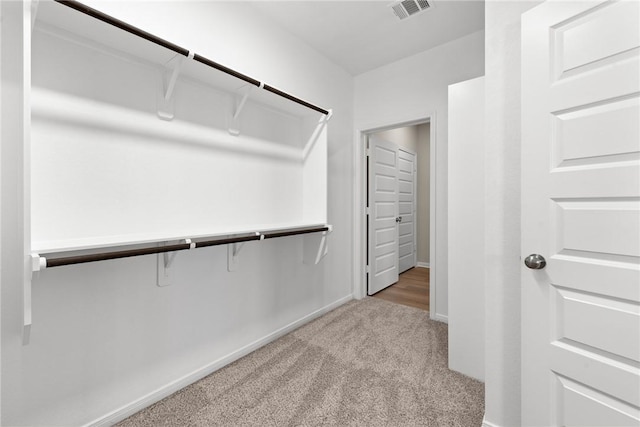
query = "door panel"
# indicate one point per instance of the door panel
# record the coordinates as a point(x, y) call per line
point(579, 134)
point(579, 317)
point(584, 406)
point(581, 211)
point(383, 210)
point(579, 31)
point(407, 207)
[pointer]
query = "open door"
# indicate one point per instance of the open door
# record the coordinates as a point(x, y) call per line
point(581, 214)
point(407, 209)
point(383, 215)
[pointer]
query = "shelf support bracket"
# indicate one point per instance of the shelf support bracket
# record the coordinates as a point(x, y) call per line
point(316, 246)
point(329, 115)
point(233, 252)
point(169, 80)
point(164, 263)
point(37, 263)
point(242, 97)
point(319, 129)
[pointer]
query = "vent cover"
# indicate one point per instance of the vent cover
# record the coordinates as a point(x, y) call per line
point(406, 8)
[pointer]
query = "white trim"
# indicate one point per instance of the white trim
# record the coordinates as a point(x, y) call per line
point(170, 388)
point(486, 423)
point(439, 317)
point(433, 255)
point(359, 192)
point(423, 265)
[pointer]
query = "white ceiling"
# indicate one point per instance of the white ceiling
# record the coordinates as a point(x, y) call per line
point(363, 35)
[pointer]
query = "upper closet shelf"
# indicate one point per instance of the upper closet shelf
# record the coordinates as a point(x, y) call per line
point(85, 24)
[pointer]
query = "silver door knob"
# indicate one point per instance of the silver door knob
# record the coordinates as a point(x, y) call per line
point(535, 262)
point(399, 219)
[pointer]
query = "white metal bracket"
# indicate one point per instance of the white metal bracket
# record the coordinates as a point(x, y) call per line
point(329, 115)
point(316, 246)
point(320, 127)
point(37, 263)
point(233, 250)
point(164, 263)
point(169, 80)
point(241, 99)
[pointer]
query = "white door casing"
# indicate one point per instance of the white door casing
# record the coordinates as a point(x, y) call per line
point(406, 209)
point(581, 211)
point(383, 211)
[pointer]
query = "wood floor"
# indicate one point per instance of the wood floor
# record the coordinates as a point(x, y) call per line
point(412, 289)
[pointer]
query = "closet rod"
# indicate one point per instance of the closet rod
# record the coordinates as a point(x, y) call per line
point(58, 261)
point(206, 61)
point(73, 4)
point(182, 51)
point(294, 99)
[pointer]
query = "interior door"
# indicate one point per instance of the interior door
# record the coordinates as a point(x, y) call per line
point(580, 211)
point(407, 210)
point(383, 212)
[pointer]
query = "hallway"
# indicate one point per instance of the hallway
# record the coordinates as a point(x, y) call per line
point(412, 289)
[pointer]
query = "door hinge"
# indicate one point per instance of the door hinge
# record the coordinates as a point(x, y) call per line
point(368, 270)
point(367, 210)
point(367, 152)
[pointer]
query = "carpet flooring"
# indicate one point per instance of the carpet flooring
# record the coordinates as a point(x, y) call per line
point(366, 363)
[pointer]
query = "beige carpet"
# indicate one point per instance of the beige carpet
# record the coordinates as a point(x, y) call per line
point(367, 363)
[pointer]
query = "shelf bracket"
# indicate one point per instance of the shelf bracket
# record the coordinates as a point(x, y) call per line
point(320, 127)
point(241, 99)
point(37, 264)
point(233, 250)
point(326, 119)
point(316, 246)
point(164, 263)
point(169, 80)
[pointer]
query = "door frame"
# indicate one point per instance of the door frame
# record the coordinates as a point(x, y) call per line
point(359, 202)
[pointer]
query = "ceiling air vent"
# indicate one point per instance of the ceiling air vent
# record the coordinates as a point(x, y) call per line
point(406, 8)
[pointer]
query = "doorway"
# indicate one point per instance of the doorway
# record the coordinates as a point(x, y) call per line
point(397, 212)
point(411, 290)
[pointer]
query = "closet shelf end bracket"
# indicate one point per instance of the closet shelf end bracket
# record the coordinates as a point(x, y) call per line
point(37, 263)
point(316, 246)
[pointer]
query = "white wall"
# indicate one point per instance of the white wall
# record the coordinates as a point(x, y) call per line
point(405, 136)
point(502, 211)
point(411, 89)
point(104, 335)
point(466, 228)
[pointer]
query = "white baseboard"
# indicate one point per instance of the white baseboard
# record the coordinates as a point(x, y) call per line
point(440, 317)
point(170, 388)
point(423, 265)
point(486, 423)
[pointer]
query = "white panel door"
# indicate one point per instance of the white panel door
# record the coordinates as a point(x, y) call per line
point(407, 209)
point(581, 211)
point(383, 211)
